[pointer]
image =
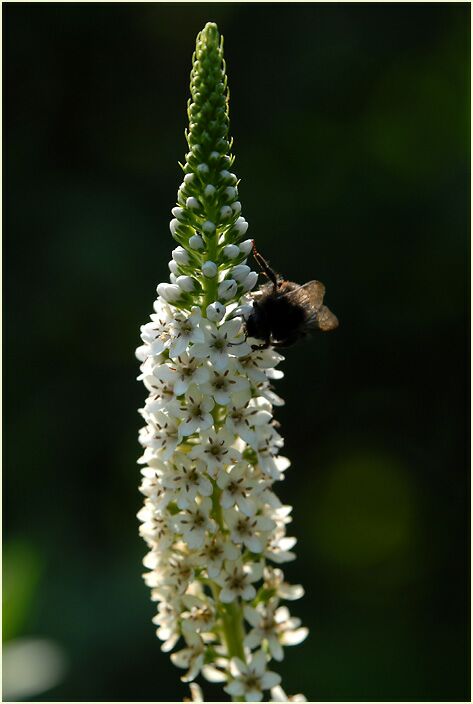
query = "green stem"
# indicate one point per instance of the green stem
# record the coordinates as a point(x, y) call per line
point(233, 630)
point(234, 633)
point(216, 506)
point(232, 614)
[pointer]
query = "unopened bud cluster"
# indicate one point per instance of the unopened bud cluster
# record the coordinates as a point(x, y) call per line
point(215, 529)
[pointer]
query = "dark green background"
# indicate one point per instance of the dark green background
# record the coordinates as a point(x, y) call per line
point(351, 126)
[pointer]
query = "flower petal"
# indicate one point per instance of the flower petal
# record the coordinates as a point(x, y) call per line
point(270, 679)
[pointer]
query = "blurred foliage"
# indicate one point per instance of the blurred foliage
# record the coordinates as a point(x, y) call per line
point(351, 126)
point(22, 572)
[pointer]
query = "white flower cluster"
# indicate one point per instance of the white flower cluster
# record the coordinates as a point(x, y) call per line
point(210, 518)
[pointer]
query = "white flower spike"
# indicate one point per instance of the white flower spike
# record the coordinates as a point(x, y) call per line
point(211, 520)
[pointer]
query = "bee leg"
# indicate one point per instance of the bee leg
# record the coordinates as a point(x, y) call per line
point(264, 266)
point(264, 346)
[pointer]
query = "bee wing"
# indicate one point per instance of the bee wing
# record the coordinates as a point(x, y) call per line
point(325, 320)
point(311, 294)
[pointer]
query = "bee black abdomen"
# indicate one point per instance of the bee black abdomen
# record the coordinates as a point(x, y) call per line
point(281, 316)
point(256, 326)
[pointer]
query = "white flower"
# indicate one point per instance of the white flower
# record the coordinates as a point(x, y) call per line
point(183, 330)
point(194, 522)
point(252, 531)
point(257, 364)
point(274, 627)
point(179, 572)
point(161, 433)
point(268, 459)
point(223, 385)
point(191, 657)
point(215, 551)
point(187, 480)
point(279, 546)
point(200, 614)
point(162, 396)
point(171, 574)
point(155, 335)
point(151, 485)
point(167, 619)
point(250, 680)
point(183, 371)
point(237, 488)
point(215, 449)
point(245, 421)
point(155, 528)
point(274, 581)
point(196, 412)
point(236, 580)
point(220, 342)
